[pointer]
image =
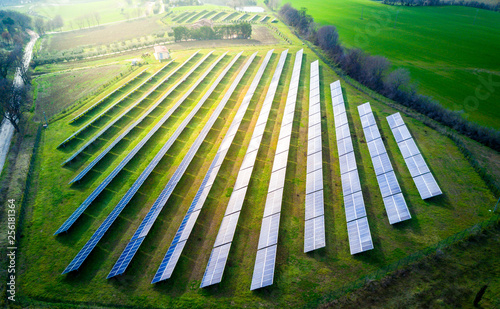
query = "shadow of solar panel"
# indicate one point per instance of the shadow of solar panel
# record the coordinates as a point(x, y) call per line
point(314, 162)
point(376, 147)
point(314, 205)
point(395, 120)
point(314, 234)
point(360, 238)
point(417, 165)
point(388, 184)
point(344, 146)
point(263, 272)
point(314, 181)
point(227, 229)
point(350, 182)
point(269, 231)
point(381, 164)
point(347, 163)
point(427, 186)
point(396, 208)
point(354, 206)
point(342, 132)
point(408, 148)
point(371, 133)
point(216, 264)
point(273, 202)
point(364, 109)
point(401, 133)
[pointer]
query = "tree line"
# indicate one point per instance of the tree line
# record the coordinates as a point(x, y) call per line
point(234, 31)
point(474, 4)
point(376, 73)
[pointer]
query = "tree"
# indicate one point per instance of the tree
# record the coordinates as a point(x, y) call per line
point(57, 22)
point(97, 17)
point(328, 40)
point(13, 101)
point(39, 25)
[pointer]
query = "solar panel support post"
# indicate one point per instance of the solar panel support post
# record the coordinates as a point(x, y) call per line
point(496, 206)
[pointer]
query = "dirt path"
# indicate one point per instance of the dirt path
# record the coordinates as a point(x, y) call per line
point(7, 129)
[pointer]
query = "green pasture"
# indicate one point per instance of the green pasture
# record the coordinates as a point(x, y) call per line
point(300, 279)
point(449, 50)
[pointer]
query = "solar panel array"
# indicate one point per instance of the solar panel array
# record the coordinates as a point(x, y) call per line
point(314, 232)
point(77, 213)
point(111, 107)
point(422, 176)
point(263, 272)
point(107, 96)
point(169, 262)
point(83, 254)
point(394, 201)
point(133, 125)
point(358, 230)
point(220, 252)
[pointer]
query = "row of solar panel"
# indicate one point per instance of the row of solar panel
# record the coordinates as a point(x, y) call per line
point(220, 252)
point(82, 255)
point(167, 266)
point(77, 213)
point(133, 125)
point(422, 176)
point(263, 273)
point(107, 96)
point(117, 118)
point(314, 231)
point(394, 201)
point(87, 125)
point(358, 230)
point(160, 202)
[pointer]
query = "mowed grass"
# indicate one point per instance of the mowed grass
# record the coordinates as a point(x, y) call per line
point(299, 278)
point(447, 49)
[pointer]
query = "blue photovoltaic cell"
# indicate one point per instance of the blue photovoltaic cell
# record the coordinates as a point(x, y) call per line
point(401, 133)
point(417, 165)
point(371, 133)
point(381, 164)
point(408, 148)
point(395, 120)
point(388, 184)
point(376, 147)
point(168, 264)
point(360, 238)
point(269, 231)
point(343, 132)
point(314, 181)
point(350, 182)
point(347, 163)
point(216, 264)
point(427, 186)
point(314, 234)
point(368, 120)
point(314, 205)
point(344, 146)
point(263, 272)
point(78, 212)
point(364, 109)
point(264, 113)
point(354, 206)
point(395, 206)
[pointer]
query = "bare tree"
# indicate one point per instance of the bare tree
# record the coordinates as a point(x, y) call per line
point(13, 101)
point(97, 17)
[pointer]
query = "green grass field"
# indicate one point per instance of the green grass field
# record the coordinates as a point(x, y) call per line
point(447, 50)
point(299, 278)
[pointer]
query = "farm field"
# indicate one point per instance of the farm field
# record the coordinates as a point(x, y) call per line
point(300, 279)
point(448, 50)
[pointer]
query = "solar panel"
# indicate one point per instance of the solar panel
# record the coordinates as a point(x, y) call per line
point(286, 130)
point(263, 272)
point(314, 181)
point(401, 133)
point(315, 119)
point(350, 182)
point(427, 186)
point(314, 131)
point(314, 109)
point(277, 180)
point(236, 201)
point(249, 160)
point(340, 119)
point(288, 118)
point(247, 172)
point(314, 235)
point(347, 163)
point(314, 145)
point(196, 205)
point(371, 133)
point(314, 162)
point(273, 202)
point(360, 238)
point(408, 148)
point(381, 164)
point(376, 147)
point(283, 144)
point(269, 231)
point(388, 184)
point(417, 165)
point(216, 264)
point(227, 229)
point(339, 109)
point(368, 120)
point(167, 266)
point(342, 132)
point(314, 205)
point(396, 208)
point(344, 146)
point(254, 144)
point(364, 109)
point(354, 206)
point(395, 120)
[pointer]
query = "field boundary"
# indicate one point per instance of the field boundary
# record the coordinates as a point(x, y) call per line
point(407, 261)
